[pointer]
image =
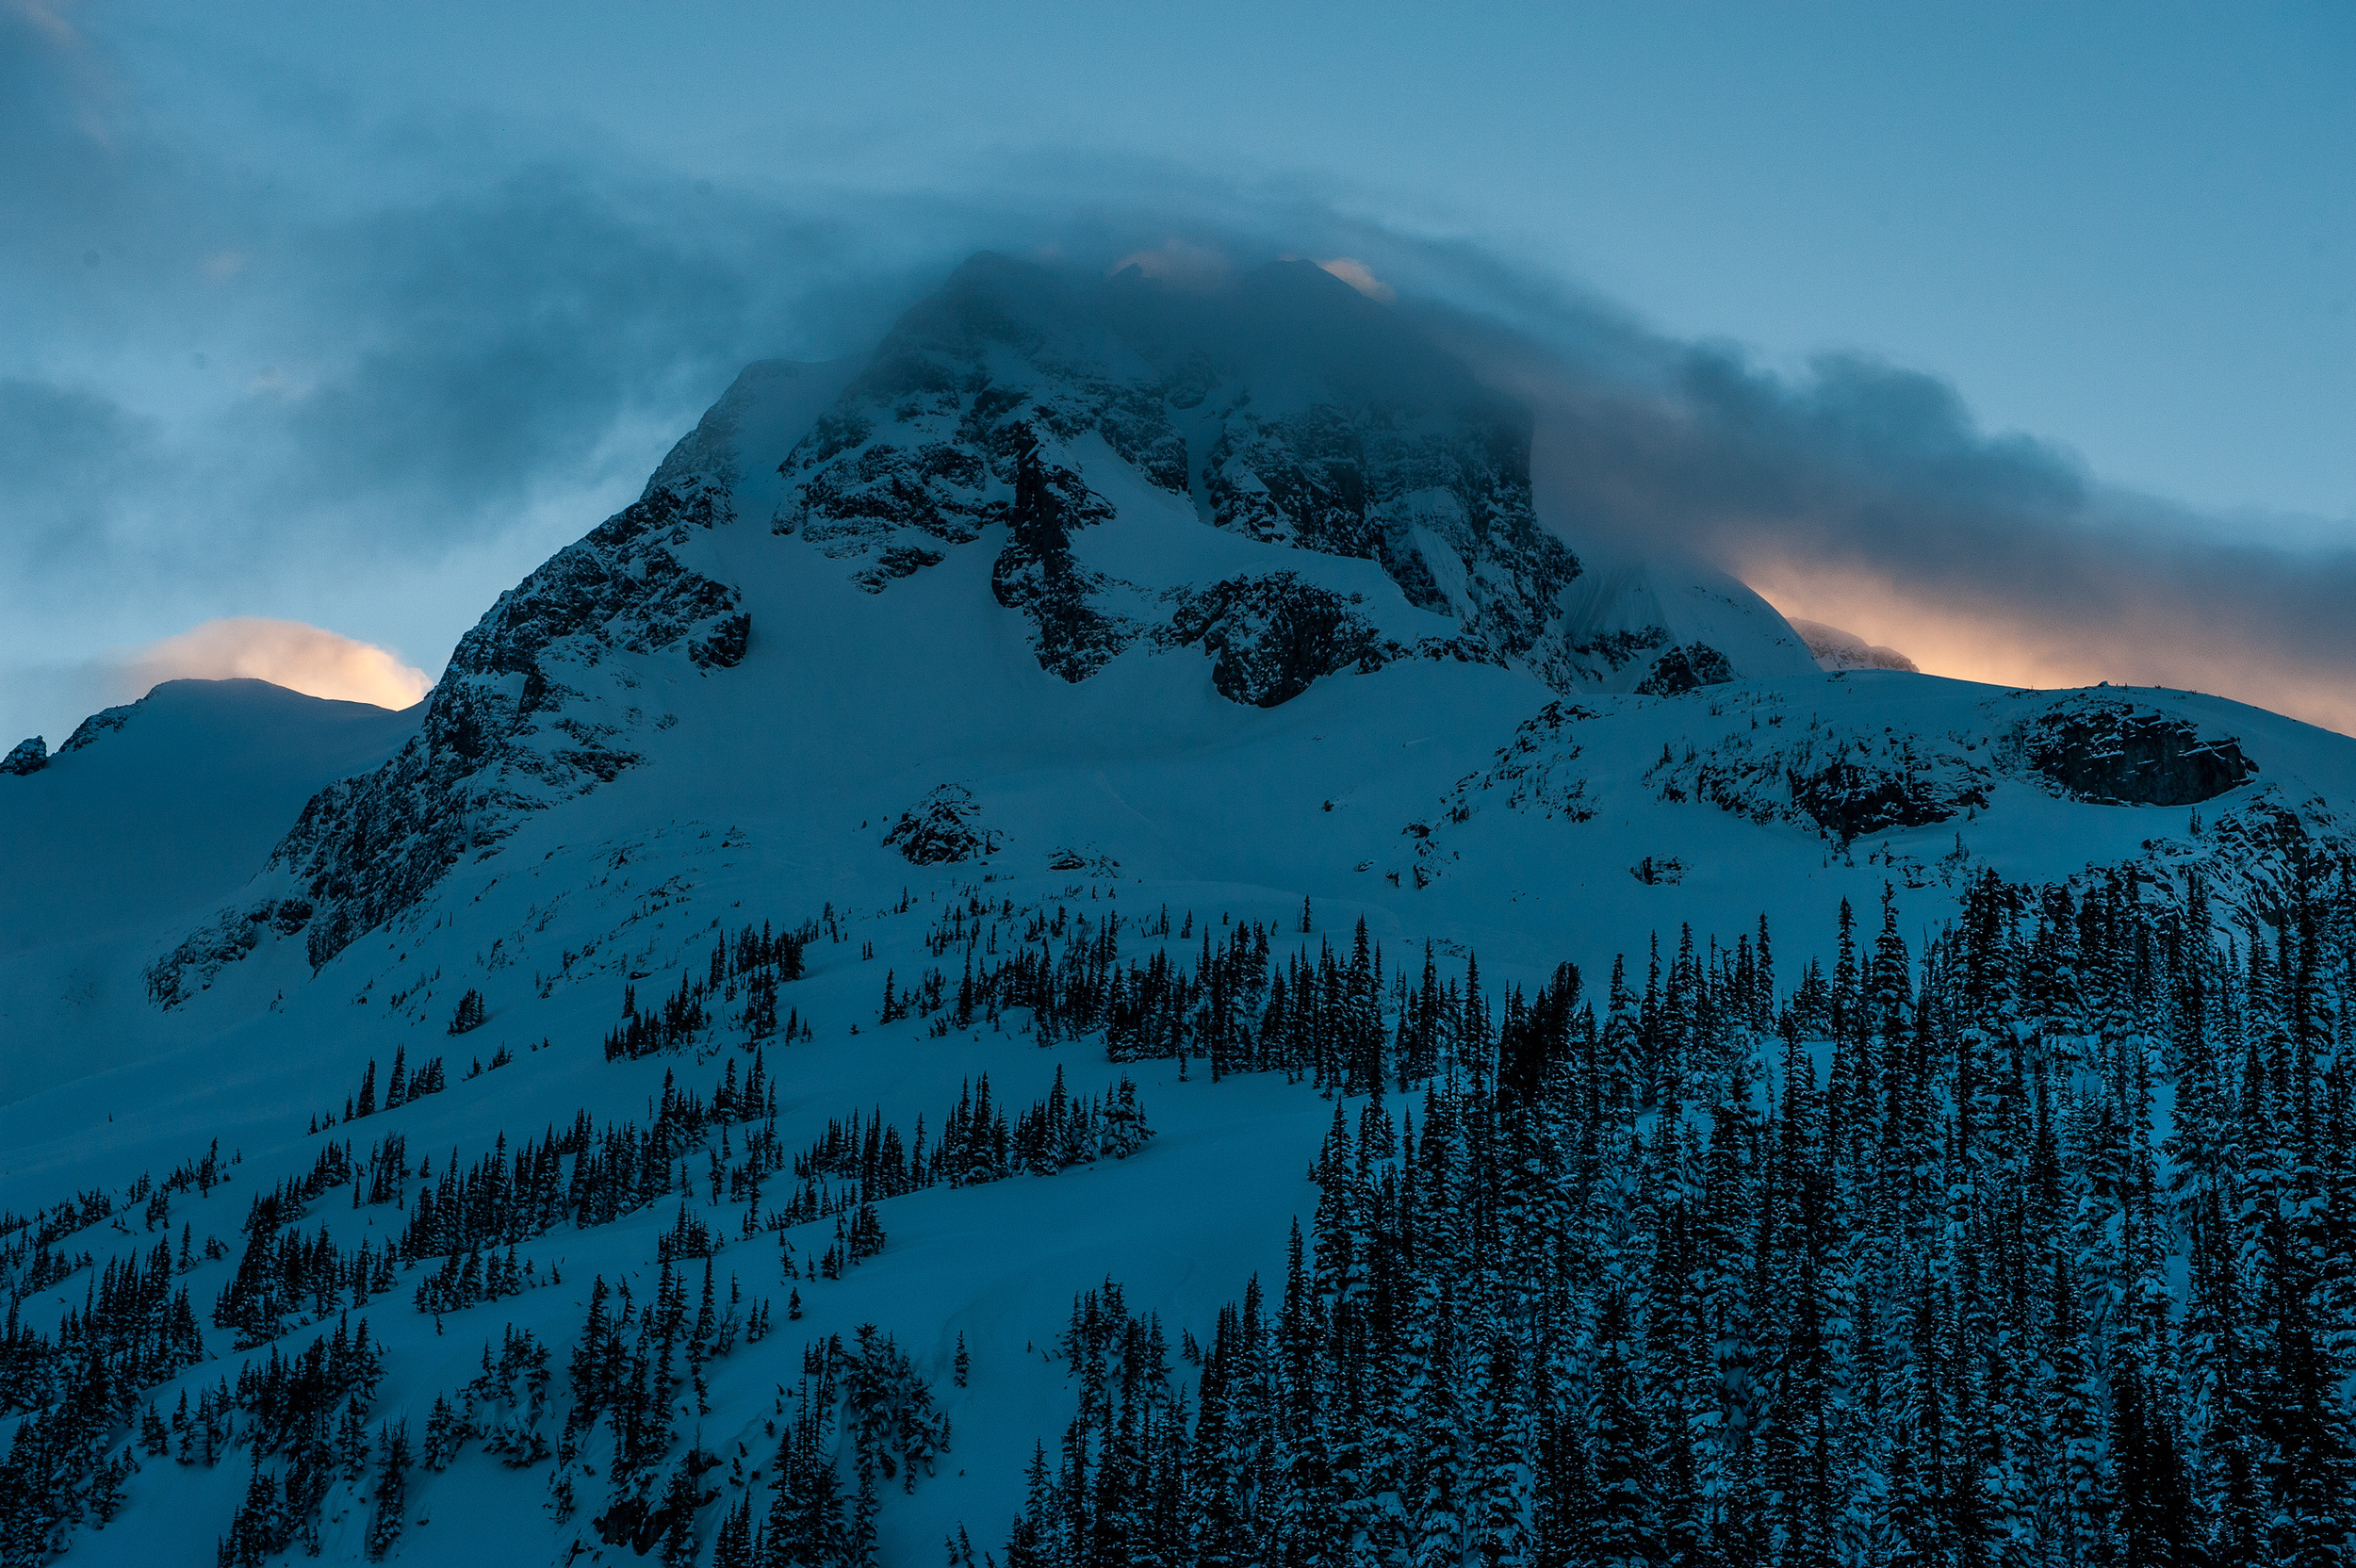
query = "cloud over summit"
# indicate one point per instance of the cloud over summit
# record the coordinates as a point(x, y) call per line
point(305, 659)
point(393, 403)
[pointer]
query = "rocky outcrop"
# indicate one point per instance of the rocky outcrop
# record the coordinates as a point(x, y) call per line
point(1323, 423)
point(2123, 753)
point(30, 754)
point(1685, 668)
point(1875, 790)
point(1269, 637)
point(1614, 649)
point(1385, 484)
point(538, 705)
point(228, 938)
point(943, 828)
point(924, 449)
point(105, 722)
point(1844, 786)
point(1036, 574)
point(1330, 424)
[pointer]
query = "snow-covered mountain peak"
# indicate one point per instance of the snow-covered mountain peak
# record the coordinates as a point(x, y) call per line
point(1282, 481)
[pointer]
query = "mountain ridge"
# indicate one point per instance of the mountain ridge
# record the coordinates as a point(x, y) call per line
point(986, 394)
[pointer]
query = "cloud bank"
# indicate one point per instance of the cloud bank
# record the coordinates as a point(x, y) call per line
point(302, 658)
point(249, 394)
point(1863, 494)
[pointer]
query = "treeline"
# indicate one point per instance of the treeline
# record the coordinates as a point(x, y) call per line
point(400, 1087)
point(1235, 1008)
point(1340, 1021)
point(752, 965)
point(26, 1259)
point(1951, 1286)
point(474, 1216)
point(78, 1391)
point(82, 1387)
point(869, 1395)
point(628, 1371)
point(872, 1162)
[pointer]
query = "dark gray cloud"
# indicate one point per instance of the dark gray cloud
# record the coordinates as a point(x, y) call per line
point(63, 452)
point(320, 372)
point(1864, 495)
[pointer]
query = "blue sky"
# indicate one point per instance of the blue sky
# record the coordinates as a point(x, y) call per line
point(269, 262)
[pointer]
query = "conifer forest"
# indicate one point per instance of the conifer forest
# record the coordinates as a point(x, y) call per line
point(2034, 1243)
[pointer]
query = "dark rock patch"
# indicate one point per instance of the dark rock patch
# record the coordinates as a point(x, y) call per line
point(1617, 648)
point(943, 828)
point(724, 646)
point(1869, 793)
point(30, 754)
point(1270, 637)
point(1037, 574)
point(505, 734)
point(105, 722)
point(2119, 754)
point(227, 938)
point(1685, 668)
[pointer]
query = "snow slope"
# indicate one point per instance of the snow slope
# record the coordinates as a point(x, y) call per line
point(1111, 604)
point(151, 812)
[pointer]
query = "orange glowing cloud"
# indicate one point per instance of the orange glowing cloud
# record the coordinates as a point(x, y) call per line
point(1360, 277)
point(300, 658)
point(1970, 639)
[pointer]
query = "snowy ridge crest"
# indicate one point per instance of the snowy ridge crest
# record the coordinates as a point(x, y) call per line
point(545, 699)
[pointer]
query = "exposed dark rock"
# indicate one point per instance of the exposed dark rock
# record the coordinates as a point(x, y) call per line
point(2121, 754)
point(1864, 792)
point(722, 646)
point(1462, 649)
point(1034, 571)
point(104, 721)
point(895, 561)
point(1365, 442)
point(1686, 668)
point(1537, 769)
point(1399, 452)
point(923, 448)
point(507, 732)
point(1269, 637)
point(1846, 786)
point(1618, 649)
point(30, 754)
point(229, 937)
point(943, 828)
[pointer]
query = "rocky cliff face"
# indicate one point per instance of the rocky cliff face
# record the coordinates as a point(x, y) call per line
point(549, 695)
point(1292, 412)
point(1853, 764)
point(2124, 754)
point(535, 707)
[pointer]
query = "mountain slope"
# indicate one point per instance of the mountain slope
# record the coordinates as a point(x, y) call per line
point(1103, 684)
point(147, 815)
